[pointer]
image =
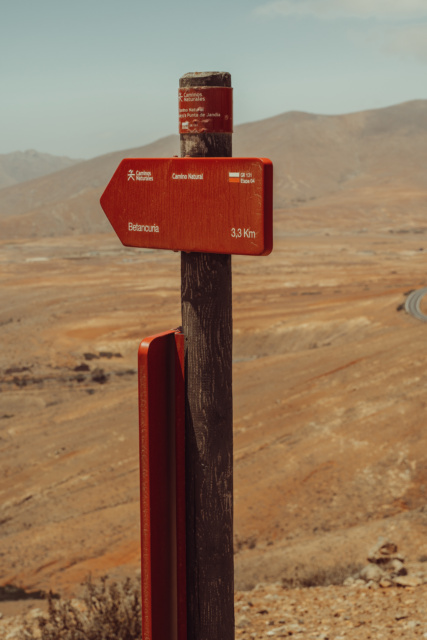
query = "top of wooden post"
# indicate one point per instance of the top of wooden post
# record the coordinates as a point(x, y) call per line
point(205, 79)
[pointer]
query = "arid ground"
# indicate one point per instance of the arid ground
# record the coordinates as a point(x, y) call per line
point(330, 379)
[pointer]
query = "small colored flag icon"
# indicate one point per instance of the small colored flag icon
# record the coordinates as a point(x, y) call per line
point(233, 176)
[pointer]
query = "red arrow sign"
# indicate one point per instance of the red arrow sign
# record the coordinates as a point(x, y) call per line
point(211, 205)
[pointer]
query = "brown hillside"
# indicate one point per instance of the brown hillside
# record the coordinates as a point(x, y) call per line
point(313, 156)
point(20, 166)
point(318, 155)
point(68, 201)
point(329, 380)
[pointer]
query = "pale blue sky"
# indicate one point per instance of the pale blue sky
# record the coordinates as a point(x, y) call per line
point(86, 77)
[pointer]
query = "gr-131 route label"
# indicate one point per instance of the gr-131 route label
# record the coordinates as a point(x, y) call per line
point(211, 205)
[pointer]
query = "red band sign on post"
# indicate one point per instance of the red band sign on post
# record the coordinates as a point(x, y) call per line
point(206, 110)
point(211, 205)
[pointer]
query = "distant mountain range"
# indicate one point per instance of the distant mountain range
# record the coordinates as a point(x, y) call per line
point(20, 166)
point(313, 156)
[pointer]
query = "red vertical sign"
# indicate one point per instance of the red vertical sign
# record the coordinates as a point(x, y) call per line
point(162, 467)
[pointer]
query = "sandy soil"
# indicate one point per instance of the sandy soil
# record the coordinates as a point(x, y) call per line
point(329, 394)
point(331, 613)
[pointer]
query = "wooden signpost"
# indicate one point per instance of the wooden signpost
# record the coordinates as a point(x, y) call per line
point(209, 206)
point(207, 326)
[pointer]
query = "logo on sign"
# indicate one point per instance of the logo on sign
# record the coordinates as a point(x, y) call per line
point(140, 176)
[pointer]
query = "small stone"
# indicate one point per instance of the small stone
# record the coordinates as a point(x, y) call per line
point(358, 583)
point(412, 624)
point(400, 616)
point(384, 551)
point(385, 583)
point(371, 572)
point(388, 548)
point(279, 630)
point(372, 584)
point(396, 567)
point(243, 622)
point(407, 581)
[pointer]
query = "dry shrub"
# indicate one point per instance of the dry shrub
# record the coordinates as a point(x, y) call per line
point(308, 576)
point(108, 612)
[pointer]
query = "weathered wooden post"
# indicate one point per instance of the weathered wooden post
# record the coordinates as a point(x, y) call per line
point(209, 206)
point(207, 326)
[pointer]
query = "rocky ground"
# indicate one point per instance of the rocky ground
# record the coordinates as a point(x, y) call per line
point(385, 599)
point(356, 612)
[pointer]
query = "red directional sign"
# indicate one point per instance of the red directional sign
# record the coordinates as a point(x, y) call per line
point(209, 205)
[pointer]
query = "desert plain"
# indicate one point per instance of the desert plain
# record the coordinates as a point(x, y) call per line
point(329, 371)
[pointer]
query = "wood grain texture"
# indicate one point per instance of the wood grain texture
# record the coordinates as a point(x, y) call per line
point(207, 325)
